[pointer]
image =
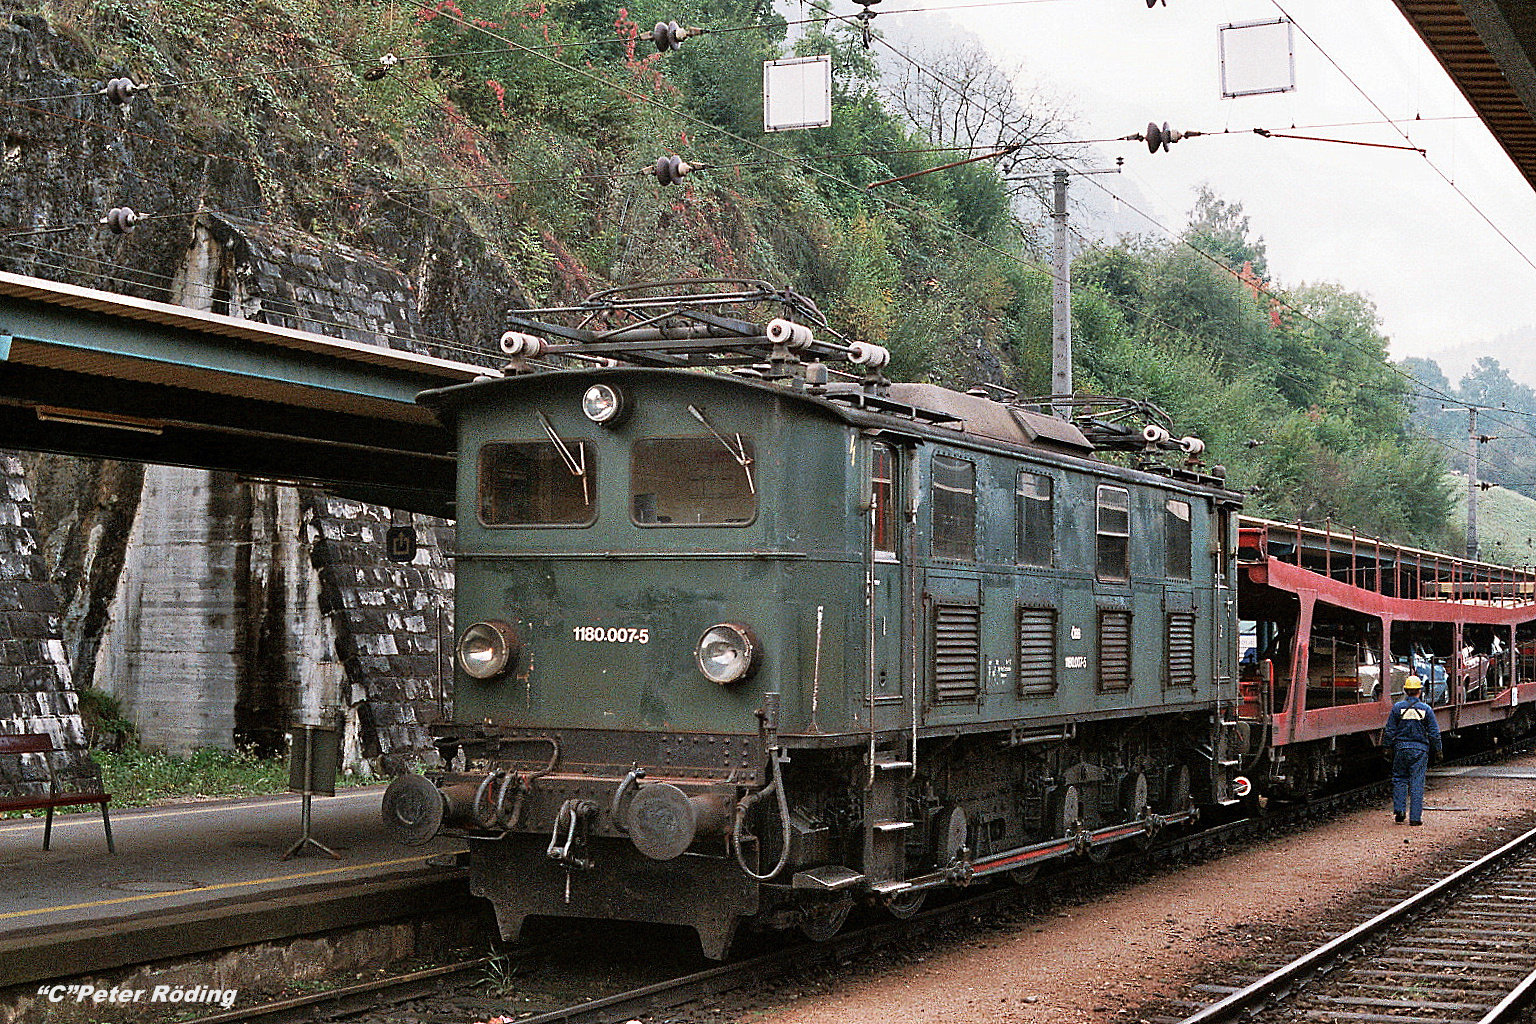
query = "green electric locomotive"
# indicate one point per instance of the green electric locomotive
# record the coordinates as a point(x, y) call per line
point(746, 639)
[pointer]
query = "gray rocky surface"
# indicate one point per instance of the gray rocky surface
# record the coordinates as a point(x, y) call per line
point(284, 603)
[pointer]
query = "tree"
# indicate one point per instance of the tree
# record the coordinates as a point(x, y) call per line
point(955, 94)
point(1219, 229)
point(1335, 358)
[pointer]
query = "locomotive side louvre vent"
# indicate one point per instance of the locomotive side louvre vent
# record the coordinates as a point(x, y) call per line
point(1037, 652)
point(1114, 651)
point(956, 653)
point(1181, 649)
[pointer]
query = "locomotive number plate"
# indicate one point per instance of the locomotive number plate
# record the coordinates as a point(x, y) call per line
point(611, 635)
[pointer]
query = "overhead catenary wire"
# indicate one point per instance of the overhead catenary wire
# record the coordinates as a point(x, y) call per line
point(1432, 165)
point(511, 183)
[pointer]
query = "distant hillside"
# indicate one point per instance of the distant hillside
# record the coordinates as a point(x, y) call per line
point(1515, 351)
point(1506, 522)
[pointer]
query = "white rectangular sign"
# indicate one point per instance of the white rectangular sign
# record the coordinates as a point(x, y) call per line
point(1257, 57)
point(797, 93)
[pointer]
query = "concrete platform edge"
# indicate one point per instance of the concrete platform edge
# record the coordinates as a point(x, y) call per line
point(79, 950)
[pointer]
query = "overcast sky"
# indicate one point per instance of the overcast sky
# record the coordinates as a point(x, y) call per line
point(1378, 221)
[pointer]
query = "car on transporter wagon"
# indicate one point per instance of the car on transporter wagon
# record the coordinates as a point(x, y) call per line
point(744, 638)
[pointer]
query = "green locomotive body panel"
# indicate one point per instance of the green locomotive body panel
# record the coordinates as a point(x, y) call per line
point(610, 607)
point(830, 640)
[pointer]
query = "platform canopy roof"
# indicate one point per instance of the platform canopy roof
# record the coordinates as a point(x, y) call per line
point(1489, 49)
point(86, 372)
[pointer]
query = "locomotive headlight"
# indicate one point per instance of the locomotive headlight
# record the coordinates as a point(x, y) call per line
point(605, 405)
point(487, 649)
point(728, 653)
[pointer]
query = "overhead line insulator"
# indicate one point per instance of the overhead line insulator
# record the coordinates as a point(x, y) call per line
point(120, 218)
point(119, 90)
point(385, 65)
point(1159, 138)
point(669, 170)
point(669, 35)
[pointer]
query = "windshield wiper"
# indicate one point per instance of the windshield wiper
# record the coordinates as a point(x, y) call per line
point(577, 466)
point(739, 452)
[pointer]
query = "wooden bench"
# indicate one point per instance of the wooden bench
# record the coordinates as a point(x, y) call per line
point(39, 743)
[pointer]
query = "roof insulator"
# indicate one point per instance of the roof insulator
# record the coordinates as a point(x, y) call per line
point(119, 219)
point(385, 65)
point(670, 169)
point(869, 356)
point(119, 90)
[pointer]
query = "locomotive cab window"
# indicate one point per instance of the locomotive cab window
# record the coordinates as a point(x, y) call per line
point(954, 508)
point(1176, 522)
point(693, 481)
point(882, 473)
point(533, 483)
point(1037, 528)
point(1114, 533)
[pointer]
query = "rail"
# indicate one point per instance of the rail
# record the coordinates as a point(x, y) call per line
point(1290, 977)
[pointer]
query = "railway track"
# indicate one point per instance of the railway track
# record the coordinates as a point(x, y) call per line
point(457, 992)
point(458, 989)
point(1462, 950)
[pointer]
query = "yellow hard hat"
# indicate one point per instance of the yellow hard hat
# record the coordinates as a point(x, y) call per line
point(1413, 683)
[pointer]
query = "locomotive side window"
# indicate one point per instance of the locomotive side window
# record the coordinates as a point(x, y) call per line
point(954, 508)
point(1176, 522)
point(882, 470)
point(533, 483)
point(1037, 527)
point(1114, 533)
point(692, 481)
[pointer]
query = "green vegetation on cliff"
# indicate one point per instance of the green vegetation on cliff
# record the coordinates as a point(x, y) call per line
point(515, 134)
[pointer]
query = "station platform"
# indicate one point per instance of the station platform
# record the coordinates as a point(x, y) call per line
point(190, 878)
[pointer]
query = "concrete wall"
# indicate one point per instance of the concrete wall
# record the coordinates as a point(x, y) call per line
point(172, 649)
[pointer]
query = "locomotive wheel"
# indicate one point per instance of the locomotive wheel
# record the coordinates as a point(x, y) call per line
point(1134, 802)
point(906, 905)
point(951, 834)
point(820, 921)
point(1178, 789)
point(1133, 795)
point(1024, 875)
point(1068, 810)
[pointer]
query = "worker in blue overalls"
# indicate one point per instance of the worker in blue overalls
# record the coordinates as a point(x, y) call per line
point(1411, 735)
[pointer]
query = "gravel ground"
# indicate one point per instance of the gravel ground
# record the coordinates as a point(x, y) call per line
point(1103, 956)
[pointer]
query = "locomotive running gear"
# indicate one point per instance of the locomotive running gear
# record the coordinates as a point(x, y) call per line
point(1412, 731)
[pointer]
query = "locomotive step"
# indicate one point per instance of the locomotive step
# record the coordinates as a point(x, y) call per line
point(891, 826)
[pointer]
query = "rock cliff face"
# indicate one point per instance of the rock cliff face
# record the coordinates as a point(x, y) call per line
point(35, 691)
point(219, 609)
